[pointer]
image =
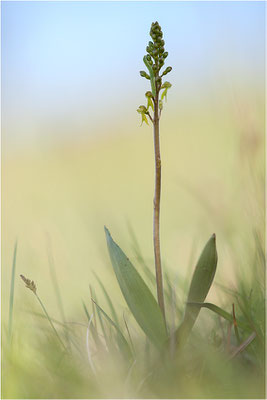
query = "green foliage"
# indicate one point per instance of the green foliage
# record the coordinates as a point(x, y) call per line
point(109, 301)
point(222, 313)
point(137, 295)
point(199, 288)
point(122, 342)
point(212, 365)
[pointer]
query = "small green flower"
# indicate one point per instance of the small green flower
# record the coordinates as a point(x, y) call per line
point(143, 111)
point(165, 86)
point(149, 97)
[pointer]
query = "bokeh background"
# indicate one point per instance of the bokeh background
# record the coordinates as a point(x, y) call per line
point(74, 157)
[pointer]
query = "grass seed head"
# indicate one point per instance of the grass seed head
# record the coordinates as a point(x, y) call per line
point(29, 284)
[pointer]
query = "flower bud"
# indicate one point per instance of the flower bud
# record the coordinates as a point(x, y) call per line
point(144, 75)
point(167, 70)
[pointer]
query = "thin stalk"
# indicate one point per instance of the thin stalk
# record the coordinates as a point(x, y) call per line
point(55, 283)
point(154, 61)
point(12, 289)
point(156, 217)
point(50, 321)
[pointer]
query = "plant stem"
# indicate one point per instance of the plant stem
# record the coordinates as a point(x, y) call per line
point(156, 218)
point(12, 287)
point(50, 321)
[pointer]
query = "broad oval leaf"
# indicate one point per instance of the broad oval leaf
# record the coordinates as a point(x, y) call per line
point(137, 295)
point(199, 288)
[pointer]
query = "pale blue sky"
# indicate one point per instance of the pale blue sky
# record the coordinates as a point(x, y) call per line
point(63, 60)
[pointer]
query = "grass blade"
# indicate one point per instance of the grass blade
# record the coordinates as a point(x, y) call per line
point(220, 312)
point(93, 329)
point(137, 295)
point(12, 291)
point(235, 325)
point(243, 346)
point(55, 283)
point(112, 309)
point(88, 346)
point(50, 321)
point(123, 344)
point(93, 295)
point(86, 311)
point(128, 331)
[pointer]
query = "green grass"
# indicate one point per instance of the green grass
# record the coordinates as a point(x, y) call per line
point(213, 364)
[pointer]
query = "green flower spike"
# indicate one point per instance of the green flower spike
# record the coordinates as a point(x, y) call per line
point(154, 60)
point(143, 111)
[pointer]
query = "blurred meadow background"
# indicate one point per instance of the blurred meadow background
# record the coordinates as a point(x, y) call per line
point(74, 158)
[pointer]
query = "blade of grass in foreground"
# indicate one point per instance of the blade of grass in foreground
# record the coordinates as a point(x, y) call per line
point(93, 329)
point(243, 346)
point(219, 311)
point(55, 283)
point(137, 295)
point(112, 309)
point(93, 296)
point(50, 321)
point(123, 344)
point(12, 290)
